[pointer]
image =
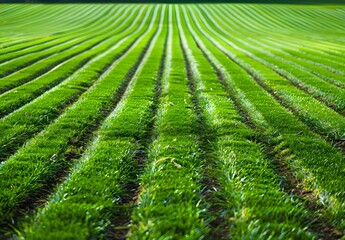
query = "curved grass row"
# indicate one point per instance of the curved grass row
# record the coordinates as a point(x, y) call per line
point(35, 59)
point(77, 210)
point(98, 25)
point(240, 166)
point(312, 160)
point(307, 77)
point(304, 46)
point(43, 156)
point(311, 111)
point(170, 204)
point(172, 121)
point(61, 67)
point(33, 117)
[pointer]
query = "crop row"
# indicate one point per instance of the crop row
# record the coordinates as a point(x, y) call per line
point(313, 160)
point(97, 183)
point(39, 157)
point(172, 122)
point(30, 118)
point(50, 62)
point(240, 167)
point(67, 63)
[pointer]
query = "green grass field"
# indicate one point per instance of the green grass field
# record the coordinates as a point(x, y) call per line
point(163, 121)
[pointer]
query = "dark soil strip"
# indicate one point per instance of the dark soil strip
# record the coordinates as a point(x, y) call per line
point(218, 222)
point(26, 64)
point(105, 15)
point(24, 47)
point(6, 111)
point(8, 150)
point(319, 224)
point(122, 220)
point(79, 144)
point(339, 144)
point(122, 212)
point(245, 117)
point(50, 67)
point(35, 51)
point(303, 88)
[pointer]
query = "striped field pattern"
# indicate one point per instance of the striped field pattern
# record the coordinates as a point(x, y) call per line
point(162, 121)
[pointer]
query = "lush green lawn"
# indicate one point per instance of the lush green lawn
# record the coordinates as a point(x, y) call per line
point(208, 121)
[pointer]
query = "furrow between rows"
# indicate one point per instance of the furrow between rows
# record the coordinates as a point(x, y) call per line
point(219, 228)
point(320, 118)
point(312, 80)
point(307, 150)
point(26, 43)
point(38, 46)
point(52, 151)
point(174, 210)
point(28, 120)
point(49, 42)
point(11, 67)
point(314, 58)
point(45, 66)
point(242, 21)
point(97, 188)
point(72, 61)
point(172, 121)
point(244, 174)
